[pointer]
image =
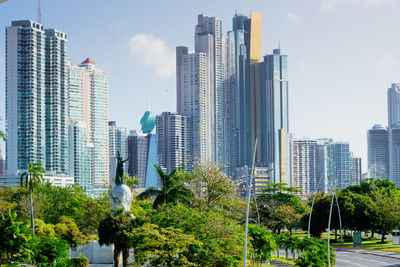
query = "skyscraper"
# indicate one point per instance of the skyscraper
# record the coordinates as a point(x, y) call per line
point(196, 102)
point(306, 172)
point(138, 144)
point(37, 97)
point(338, 165)
point(355, 170)
point(2, 165)
point(378, 152)
point(80, 155)
point(274, 116)
point(209, 40)
point(173, 141)
point(393, 104)
point(394, 153)
point(117, 142)
point(88, 94)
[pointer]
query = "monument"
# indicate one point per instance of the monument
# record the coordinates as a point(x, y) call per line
point(121, 195)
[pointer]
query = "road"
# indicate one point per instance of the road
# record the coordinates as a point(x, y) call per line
point(350, 259)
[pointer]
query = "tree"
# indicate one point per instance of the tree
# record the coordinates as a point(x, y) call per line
point(173, 189)
point(278, 207)
point(114, 229)
point(221, 236)
point(210, 185)
point(384, 208)
point(31, 179)
point(15, 238)
point(163, 246)
point(262, 241)
point(69, 231)
point(49, 249)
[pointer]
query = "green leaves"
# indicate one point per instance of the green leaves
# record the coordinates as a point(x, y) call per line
point(14, 241)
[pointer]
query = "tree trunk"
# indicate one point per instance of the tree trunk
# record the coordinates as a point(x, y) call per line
point(116, 256)
point(383, 238)
point(372, 233)
point(31, 207)
point(125, 257)
point(335, 235)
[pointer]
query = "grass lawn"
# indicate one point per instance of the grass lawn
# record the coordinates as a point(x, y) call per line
point(281, 259)
point(368, 243)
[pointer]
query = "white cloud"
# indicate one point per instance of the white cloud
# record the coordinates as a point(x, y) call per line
point(332, 4)
point(294, 18)
point(154, 53)
point(387, 61)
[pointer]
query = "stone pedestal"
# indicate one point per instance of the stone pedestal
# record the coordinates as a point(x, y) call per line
point(121, 197)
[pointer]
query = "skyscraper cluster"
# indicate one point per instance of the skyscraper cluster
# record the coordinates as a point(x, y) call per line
point(384, 143)
point(233, 97)
point(56, 113)
point(323, 165)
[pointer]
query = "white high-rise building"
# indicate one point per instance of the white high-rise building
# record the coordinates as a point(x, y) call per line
point(173, 141)
point(305, 160)
point(209, 40)
point(36, 97)
point(88, 97)
point(196, 102)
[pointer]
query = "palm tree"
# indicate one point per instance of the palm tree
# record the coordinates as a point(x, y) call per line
point(3, 137)
point(31, 179)
point(113, 230)
point(172, 189)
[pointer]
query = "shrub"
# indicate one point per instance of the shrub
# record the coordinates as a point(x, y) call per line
point(79, 262)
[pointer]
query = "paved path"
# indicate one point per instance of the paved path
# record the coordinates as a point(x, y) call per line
point(364, 258)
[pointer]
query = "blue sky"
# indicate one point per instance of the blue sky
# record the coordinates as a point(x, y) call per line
point(343, 54)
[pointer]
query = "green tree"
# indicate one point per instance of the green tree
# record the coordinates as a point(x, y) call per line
point(114, 229)
point(210, 185)
point(262, 242)
point(31, 179)
point(221, 236)
point(49, 249)
point(68, 230)
point(163, 246)
point(15, 238)
point(278, 207)
point(384, 208)
point(173, 190)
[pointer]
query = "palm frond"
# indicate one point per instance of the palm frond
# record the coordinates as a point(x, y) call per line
point(148, 193)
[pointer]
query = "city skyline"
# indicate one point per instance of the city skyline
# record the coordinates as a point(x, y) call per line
point(308, 84)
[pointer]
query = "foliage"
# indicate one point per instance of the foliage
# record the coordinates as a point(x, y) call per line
point(384, 208)
point(210, 185)
point(314, 253)
point(278, 207)
point(31, 179)
point(47, 250)
point(163, 246)
point(114, 229)
point(173, 190)
point(262, 242)
point(69, 231)
point(79, 262)
point(221, 236)
point(72, 202)
point(15, 238)
point(131, 182)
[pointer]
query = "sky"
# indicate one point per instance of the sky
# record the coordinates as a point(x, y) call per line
point(343, 54)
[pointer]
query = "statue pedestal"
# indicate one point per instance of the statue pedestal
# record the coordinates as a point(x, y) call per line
point(121, 197)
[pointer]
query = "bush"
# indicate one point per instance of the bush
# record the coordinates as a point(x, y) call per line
point(315, 253)
point(79, 262)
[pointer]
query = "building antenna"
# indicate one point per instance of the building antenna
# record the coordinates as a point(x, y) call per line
point(39, 13)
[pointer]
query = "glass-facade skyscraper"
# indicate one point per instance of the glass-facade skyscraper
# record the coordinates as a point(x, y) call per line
point(36, 97)
point(117, 142)
point(378, 152)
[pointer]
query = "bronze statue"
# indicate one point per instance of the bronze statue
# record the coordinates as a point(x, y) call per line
point(119, 175)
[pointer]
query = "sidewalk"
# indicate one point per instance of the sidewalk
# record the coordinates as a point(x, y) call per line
point(388, 254)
